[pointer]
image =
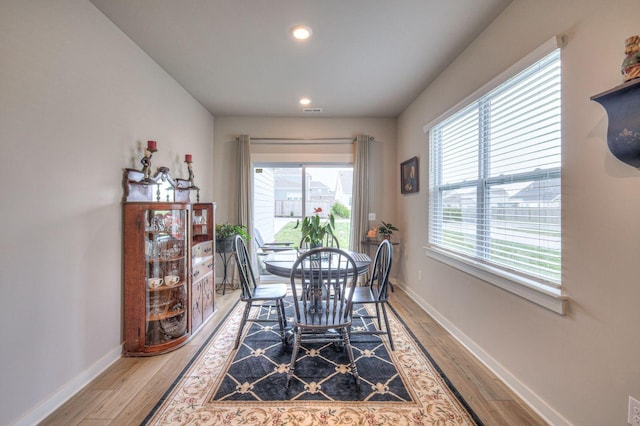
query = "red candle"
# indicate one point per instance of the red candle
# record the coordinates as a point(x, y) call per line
point(187, 158)
point(152, 145)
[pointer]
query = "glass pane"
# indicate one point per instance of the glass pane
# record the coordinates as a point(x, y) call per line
point(199, 222)
point(459, 220)
point(525, 126)
point(277, 203)
point(459, 145)
point(524, 227)
point(166, 275)
point(329, 190)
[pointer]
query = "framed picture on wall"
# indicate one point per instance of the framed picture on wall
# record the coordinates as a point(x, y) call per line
point(409, 176)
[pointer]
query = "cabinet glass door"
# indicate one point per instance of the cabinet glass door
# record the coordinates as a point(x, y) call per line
point(199, 222)
point(166, 275)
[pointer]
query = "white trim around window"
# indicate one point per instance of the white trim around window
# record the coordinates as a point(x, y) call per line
point(547, 297)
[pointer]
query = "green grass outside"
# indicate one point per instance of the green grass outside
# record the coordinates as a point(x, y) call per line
point(513, 254)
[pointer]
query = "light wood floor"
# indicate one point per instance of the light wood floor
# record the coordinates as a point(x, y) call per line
point(126, 392)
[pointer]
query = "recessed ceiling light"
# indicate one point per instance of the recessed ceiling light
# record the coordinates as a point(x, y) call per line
point(301, 32)
point(305, 101)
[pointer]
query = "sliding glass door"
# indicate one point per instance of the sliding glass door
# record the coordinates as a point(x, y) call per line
point(283, 194)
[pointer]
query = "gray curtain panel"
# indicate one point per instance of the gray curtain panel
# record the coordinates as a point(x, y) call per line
point(360, 204)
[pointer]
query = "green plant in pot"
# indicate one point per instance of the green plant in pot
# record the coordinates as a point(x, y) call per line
point(314, 231)
point(225, 235)
point(386, 230)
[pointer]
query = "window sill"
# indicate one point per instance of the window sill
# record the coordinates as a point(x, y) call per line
point(538, 293)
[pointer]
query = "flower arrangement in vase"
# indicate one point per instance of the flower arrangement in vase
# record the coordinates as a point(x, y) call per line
point(314, 231)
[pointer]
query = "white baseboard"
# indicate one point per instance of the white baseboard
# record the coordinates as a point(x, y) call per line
point(536, 403)
point(69, 389)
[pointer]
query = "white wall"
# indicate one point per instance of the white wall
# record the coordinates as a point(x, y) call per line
point(383, 156)
point(579, 368)
point(77, 98)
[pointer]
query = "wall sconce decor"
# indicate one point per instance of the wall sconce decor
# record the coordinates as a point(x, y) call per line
point(622, 104)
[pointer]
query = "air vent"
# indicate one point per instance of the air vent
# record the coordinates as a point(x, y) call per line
point(312, 110)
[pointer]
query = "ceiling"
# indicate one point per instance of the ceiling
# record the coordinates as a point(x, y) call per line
point(366, 58)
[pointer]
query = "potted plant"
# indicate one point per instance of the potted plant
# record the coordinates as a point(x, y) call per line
point(386, 230)
point(313, 231)
point(226, 233)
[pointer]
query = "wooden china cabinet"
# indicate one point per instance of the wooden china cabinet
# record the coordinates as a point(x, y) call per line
point(168, 247)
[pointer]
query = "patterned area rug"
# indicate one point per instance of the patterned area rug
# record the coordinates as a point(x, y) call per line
point(220, 387)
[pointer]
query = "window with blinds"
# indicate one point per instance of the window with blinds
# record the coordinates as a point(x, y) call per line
point(495, 177)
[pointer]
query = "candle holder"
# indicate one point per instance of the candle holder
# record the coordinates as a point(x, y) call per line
point(146, 159)
point(191, 175)
point(192, 185)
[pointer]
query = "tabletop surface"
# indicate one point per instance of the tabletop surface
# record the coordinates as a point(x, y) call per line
point(280, 263)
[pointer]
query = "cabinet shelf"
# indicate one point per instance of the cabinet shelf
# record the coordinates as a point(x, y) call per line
point(165, 315)
point(164, 259)
point(166, 287)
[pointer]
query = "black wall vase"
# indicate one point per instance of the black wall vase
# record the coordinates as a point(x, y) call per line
point(622, 104)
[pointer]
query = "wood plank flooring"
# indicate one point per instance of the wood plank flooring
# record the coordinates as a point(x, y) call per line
point(126, 392)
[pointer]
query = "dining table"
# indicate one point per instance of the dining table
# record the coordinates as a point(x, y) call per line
point(281, 263)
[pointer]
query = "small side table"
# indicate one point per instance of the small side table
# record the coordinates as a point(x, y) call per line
point(367, 243)
point(226, 254)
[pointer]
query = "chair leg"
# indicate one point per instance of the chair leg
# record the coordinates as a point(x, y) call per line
point(378, 316)
point(294, 354)
point(282, 320)
point(284, 317)
point(245, 316)
point(386, 324)
point(347, 345)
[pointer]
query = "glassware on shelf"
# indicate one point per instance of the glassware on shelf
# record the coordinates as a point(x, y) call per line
point(165, 248)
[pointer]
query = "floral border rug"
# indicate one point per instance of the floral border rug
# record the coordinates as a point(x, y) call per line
point(410, 390)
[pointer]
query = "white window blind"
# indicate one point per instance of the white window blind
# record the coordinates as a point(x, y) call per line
point(495, 177)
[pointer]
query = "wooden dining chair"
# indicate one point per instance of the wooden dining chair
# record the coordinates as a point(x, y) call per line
point(376, 293)
point(322, 306)
point(269, 295)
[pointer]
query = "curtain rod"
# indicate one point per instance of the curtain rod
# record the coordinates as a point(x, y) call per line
point(309, 141)
point(326, 141)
